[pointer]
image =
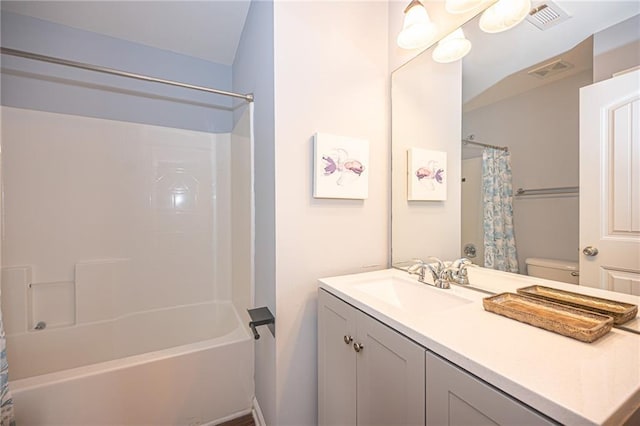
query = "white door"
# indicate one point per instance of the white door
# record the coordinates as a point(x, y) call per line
point(610, 184)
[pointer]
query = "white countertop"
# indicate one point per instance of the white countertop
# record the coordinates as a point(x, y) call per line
point(568, 380)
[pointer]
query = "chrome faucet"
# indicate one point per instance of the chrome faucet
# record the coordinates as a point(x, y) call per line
point(443, 275)
point(457, 272)
point(418, 268)
point(437, 270)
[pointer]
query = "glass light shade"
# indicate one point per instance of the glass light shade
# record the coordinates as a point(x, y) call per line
point(503, 15)
point(452, 48)
point(461, 6)
point(418, 30)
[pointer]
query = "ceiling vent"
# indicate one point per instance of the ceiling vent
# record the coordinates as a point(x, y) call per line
point(553, 68)
point(547, 15)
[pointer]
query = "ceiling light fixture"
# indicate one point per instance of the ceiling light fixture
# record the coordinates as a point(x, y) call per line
point(452, 48)
point(462, 6)
point(418, 30)
point(503, 15)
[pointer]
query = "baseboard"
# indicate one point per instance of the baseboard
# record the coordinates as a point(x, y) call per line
point(229, 417)
point(257, 413)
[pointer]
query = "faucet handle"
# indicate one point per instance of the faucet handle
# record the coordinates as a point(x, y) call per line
point(441, 266)
point(418, 268)
point(461, 274)
point(462, 262)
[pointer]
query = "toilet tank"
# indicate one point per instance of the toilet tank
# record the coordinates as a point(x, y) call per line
point(553, 269)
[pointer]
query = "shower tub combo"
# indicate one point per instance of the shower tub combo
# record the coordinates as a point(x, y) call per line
point(119, 298)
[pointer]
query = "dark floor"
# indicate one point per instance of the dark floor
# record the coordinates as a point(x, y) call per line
point(246, 420)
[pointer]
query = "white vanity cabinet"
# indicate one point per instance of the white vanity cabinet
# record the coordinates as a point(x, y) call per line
point(367, 372)
point(436, 357)
point(454, 397)
point(370, 374)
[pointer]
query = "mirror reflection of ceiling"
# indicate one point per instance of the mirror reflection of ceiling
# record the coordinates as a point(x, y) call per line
point(569, 63)
point(494, 57)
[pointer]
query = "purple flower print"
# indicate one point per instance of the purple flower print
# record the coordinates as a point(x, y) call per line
point(330, 166)
point(429, 174)
point(439, 176)
point(354, 166)
point(338, 161)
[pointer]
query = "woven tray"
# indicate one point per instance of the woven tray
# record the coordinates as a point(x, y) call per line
point(621, 312)
point(562, 319)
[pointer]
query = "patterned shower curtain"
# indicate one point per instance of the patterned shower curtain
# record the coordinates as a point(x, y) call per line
point(6, 402)
point(497, 197)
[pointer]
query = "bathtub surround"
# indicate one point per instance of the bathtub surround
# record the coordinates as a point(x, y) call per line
point(472, 215)
point(122, 210)
point(241, 215)
point(120, 247)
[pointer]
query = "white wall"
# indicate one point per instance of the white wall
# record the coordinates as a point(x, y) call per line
point(616, 48)
point(331, 76)
point(540, 127)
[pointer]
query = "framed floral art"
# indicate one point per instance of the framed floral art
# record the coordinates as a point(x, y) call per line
point(341, 167)
point(427, 175)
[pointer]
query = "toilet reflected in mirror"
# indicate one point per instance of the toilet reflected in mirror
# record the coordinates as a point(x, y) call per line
point(551, 269)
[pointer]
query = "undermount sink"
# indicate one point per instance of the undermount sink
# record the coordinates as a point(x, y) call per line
point(411, 295)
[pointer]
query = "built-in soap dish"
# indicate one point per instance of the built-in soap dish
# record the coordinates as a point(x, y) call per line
point(52, 304)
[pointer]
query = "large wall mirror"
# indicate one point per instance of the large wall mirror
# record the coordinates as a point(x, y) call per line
point(519, 90)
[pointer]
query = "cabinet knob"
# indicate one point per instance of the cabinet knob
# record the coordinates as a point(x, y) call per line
point(358, 347)
point(348, 339)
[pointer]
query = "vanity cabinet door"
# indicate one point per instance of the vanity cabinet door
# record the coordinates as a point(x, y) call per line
point(454, 397)
point(336, 361)
point(368, 374)
point(390, 376)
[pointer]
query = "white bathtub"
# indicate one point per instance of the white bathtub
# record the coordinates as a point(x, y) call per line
point(204, 375)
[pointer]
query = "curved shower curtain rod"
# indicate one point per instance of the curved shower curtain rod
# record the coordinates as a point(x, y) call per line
point(35, 56)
